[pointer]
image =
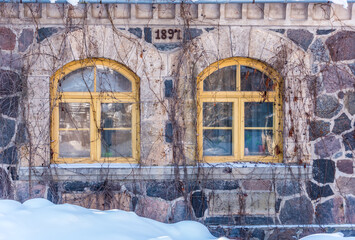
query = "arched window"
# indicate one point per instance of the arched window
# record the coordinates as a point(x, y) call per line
point(95, 113)
point(239, 112)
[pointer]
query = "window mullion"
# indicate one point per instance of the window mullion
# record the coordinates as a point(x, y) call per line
point(235, 129)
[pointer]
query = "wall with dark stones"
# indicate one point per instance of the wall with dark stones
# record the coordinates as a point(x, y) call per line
point(311, 45)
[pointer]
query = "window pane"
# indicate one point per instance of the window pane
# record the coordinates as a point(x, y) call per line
point(217, 114)
point(80, 80)
point(217, 142)
point(254, 80)
point(109, 80)
point(258, 142)
point(116, 143)
point(223, 79)
point(74, 144)
point(115, 115)
point(74, 115)
point(258, 114)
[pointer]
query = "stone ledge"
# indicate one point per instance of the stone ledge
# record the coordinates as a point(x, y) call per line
point(265, 14)
point(136, 172)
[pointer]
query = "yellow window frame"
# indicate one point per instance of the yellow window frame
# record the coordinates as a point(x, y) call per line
point(238, 98)
point(95, 99)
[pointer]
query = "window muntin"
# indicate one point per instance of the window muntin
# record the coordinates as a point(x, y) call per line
point(240, 122)
point(95, 114)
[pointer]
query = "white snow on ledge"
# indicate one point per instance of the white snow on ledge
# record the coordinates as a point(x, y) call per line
point(39, 219)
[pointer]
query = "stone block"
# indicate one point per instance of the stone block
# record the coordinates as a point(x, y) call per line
point(342, 123)
point(349, 141)
point(10, 10)
point(44, 33)
point(199, 203)
point(257, 185)
point(341, 13)
point(78, 11)
point(253, 220)
point(342, 45)
point(288, 187)
point(55, 11)
point(10, 82)
point(166, 11)
point(346, 166)
point(7, 39)
point(319, 52)
point(346, 185)
point(327, 106)
point(324, 31)
point(299, 11)
point(99, 10)
point(220, 184)
point(330, 212)
point(350, 209)
point(167, 190)
point(277, 11)
point(315, 192)
point(255, 11)
point(318, 129)
point(180, 211)
point(5, 185)
point(122, 11)
point(233, 10)
point(232, 202)
point(301, 37)
point(153, 208)
point(189, 11)
point(7, 131)
point(321, 11)
point(211, 11)
point(9, 106)
point(337, 78)
point(9, 156)
point(32, 10)
point(327, 146)
point(23, 191)
point(25, 40)
point(349, 101)
point(144, 11)
point(297, 211)
point(323, 170)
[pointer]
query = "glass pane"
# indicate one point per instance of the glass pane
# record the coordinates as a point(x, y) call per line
point(115, 115)
point(116, 143)
point(258, 142)
point(74, 115)
point(217, 114)
point(258, 114)
point(80, 80)
point(74, 144)
point(109, 80)
point(223, 79)
point(254, 80)
point(217, 142)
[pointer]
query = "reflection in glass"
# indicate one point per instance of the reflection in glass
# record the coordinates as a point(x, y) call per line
point(80, 80)
point(217, 142)
point(223, 79)
point(116, 143)
point(254, 80)
point(74, 115)
point(109, 80)
point(115, 115)
point(217, 114)
point(258, 114)
point(74, 143)
point(258, 142)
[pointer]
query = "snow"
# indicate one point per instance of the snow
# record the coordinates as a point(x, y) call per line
point(327, 236)
point(39, 219)
point(341, 2)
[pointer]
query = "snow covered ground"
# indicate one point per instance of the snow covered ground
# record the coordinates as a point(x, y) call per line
point(39, 219)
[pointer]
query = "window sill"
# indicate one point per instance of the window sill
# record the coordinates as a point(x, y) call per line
point(221, 171)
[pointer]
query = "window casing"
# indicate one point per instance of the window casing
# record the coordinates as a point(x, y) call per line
point(239, 112)
point(95, 113)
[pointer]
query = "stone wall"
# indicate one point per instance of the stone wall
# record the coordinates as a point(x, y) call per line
point(311, 45)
